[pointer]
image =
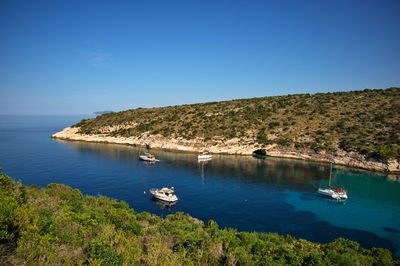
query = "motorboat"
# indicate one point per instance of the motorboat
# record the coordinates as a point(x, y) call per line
point(148, 157)
point(204, 156)
point(165, 194)
point(331, 191)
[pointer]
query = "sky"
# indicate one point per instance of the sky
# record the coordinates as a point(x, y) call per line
point(78, 57)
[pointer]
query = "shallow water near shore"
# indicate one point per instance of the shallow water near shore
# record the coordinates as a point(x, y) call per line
point(270, 195)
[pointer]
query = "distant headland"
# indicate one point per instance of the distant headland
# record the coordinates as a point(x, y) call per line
point(102, 112)
point(357, 128)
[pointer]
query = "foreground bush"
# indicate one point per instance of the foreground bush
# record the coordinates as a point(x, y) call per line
point(58, 225)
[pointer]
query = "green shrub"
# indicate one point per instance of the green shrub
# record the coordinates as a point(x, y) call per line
point(262, 137)
point(102, 251)
point(388, 151)
point(8, 208)
point(46, 222)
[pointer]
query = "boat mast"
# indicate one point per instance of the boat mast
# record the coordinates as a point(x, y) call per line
point(330, 175)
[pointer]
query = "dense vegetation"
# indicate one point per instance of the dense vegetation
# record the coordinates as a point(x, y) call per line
point(366, 122)
point(58, 225)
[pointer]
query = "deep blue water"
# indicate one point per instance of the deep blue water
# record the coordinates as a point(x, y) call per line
point(271, 195)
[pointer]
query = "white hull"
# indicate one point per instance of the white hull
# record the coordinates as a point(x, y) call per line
point(332, 193)
point(204, 160)
point(204, 156)
point(165, 198)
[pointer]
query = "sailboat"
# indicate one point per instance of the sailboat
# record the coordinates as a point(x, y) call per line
point(331, 191)
point(204, 155)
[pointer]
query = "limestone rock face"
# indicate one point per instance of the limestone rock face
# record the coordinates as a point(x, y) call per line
point(234, 146)
point(159, 142)
point(393, 166)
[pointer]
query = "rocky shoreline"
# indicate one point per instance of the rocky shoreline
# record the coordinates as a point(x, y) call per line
point(234, 146)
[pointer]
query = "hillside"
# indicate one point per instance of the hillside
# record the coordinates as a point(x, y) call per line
point(58, 225)
point(360, 123)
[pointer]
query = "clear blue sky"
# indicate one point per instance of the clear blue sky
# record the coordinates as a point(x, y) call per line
point(76, 57)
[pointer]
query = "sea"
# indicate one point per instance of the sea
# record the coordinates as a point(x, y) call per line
point(241, 192)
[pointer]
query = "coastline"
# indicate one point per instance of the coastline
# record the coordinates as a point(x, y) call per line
point(234, 147)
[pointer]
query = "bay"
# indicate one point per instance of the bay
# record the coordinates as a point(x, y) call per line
point(242, 192)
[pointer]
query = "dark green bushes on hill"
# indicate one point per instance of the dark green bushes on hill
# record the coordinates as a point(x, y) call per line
point(58, 225)
point(366, 121)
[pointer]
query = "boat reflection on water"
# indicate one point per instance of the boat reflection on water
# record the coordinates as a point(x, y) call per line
point(148, 163)
point(202, 162)
point(163, 204)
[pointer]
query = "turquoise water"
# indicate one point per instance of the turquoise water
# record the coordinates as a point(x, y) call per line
point(271, 195)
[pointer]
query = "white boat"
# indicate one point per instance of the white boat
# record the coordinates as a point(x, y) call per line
point(331, 191)
point(148, 157)
point(204, 156)
point(165, 194)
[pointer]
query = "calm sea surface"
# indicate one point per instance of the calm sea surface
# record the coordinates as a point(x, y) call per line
point(271, 195)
